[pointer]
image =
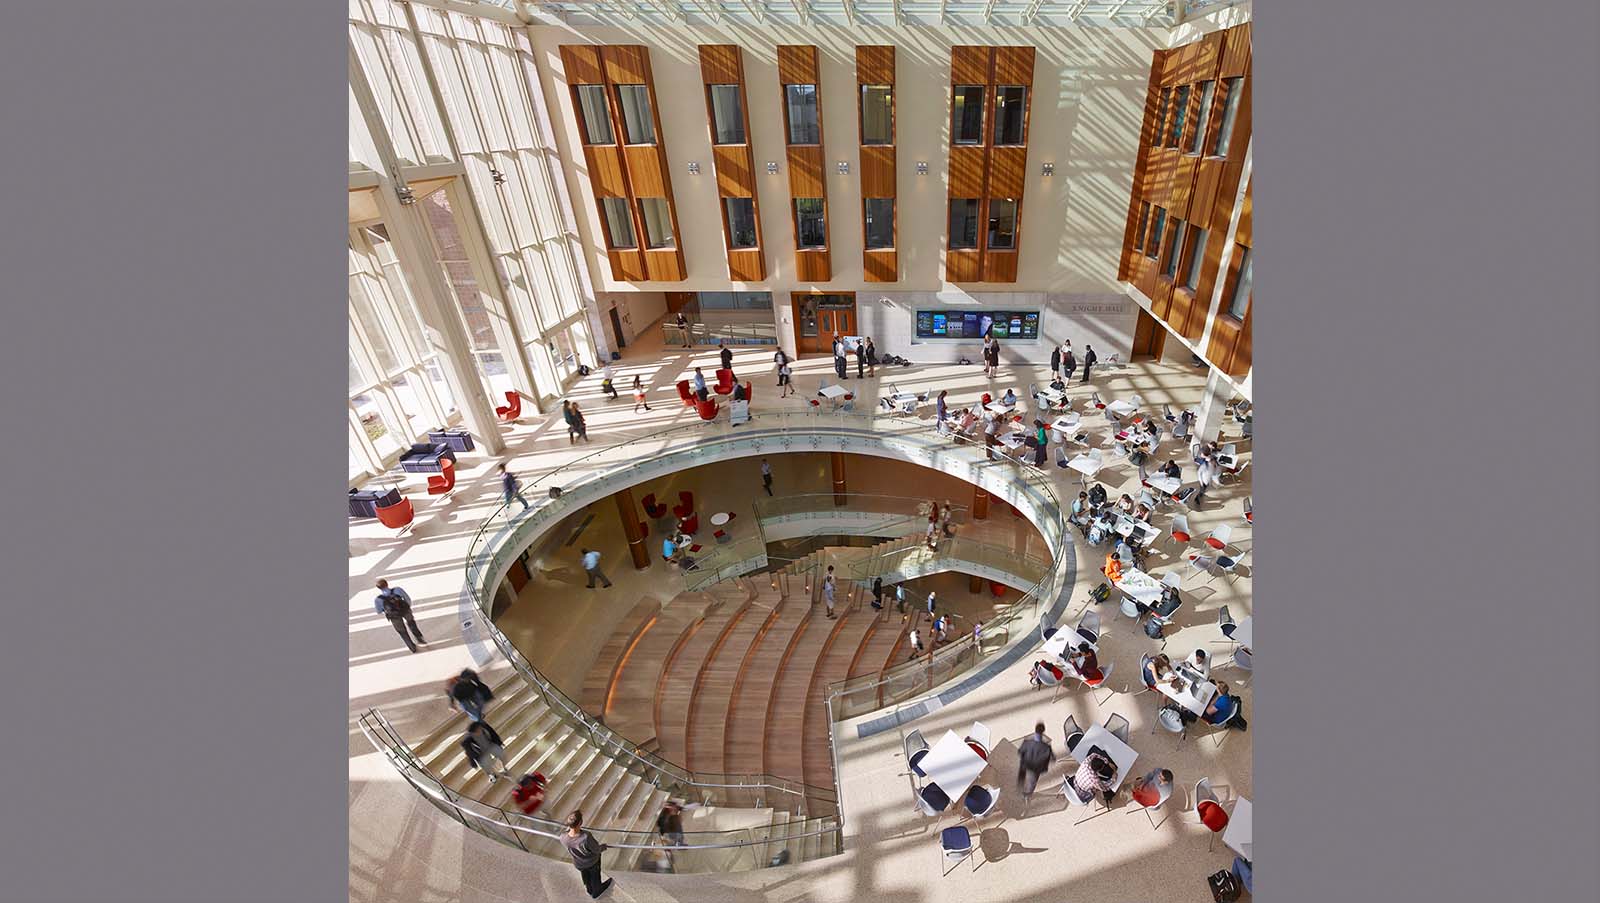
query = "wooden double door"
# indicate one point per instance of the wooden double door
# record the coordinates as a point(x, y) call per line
point(819, 317)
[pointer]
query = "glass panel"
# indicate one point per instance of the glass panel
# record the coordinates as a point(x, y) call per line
point(1197, 256)
point(808, 318)
point(492, 367)
point(377, 427)
point(441, 389)
point(357, 380)
point(801, 104)
point(657, 222)
point(1010, 102)
point(637, 125)
point(1002, 223)
point(741, 222)
point(880, 223)
point(593, 115)
point(1173, 234)
point(1138, 235)
point(1240, 302)
point(619, 225)
point(406, 392)
point(1207, 89)
point(1230, 111)
point(1161, 116)
point(1153, 246)
point(727, 115)
point(963, 223)
point(808, 216)
point(367, 314)
point(358, 464)
point(1179, 110)
point(966, 115)
point(877, 114)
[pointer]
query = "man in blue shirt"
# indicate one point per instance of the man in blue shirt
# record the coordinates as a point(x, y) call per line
point(669, 549)
point(508, 481)
point(395, 605)
point(591, 566)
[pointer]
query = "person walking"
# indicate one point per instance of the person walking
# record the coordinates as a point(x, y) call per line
point(585, 852)
point(977, 636)
point(1034, 758)
point(591, 566)
point(638, 394)
point(1041, 440)
point(468, 693)
point(393, 603)
point(1089, 360)
point(916, 644)
point(699, 380)
point(992, 358)
point(861, 360)
point(872, 358)
point(512, 489)
point(877, 593)
point(726, 355)
point(530, 792)
point(785, 377)
point(579, 423)
point(827, 590)
point(900, 598)
point(932, 604)
point(932, 538)
point(838, 357)
point(1055, 360)
point(669, 824)
point(571, 421)
point(941, 410)
point(946, 523)
point(1068, 363)
point(766, 475)
point(608, 376)
point(482, 744)
point(683, 328)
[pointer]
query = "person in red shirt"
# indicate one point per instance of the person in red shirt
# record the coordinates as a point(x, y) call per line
point(1087, 666)
point(1149, 790)
point(530, 792)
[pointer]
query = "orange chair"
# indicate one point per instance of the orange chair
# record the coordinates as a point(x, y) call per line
point(398, 515)
point(708, 409)
point(446, 481)
point(513, 408)
point(685, 394)
point(724, 384)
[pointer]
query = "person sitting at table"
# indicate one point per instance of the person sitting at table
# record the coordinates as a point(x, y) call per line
point(1096, 773)
point(1125, 504)
point(669, 550)
point(1009, 399)
point(1171, 469)
point(1149, 789)
point(739, 393)
point(968, 421)
point(699, 380)
point(1113, 569)
point(1141, 511)
point(1036, 677)
point(1168, 603)
point(1086, 664)
point(1225, 710)
point(1057, 384)
point(1200, 662)
point(1081, 512)
point(1156, 670)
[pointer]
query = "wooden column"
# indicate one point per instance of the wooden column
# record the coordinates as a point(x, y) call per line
point(633, 528)
point(838, 478)
point(974, 583)
point(980, 503)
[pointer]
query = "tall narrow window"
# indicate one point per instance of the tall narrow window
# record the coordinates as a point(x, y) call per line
point(1161, 117)
point(1207, 90)
point(619, 225)
point(1239, 302)
point(880, 223)
point(966, 115)
point(1144, 220)
point(1180, 108)
point(637, 125)
point(1230, 112)
point(1173, 235)
point(808, 218)
point(877, 114)
point(593, 114)
point(727, 115)
point(1002, 224)
point(963, 223)
point(800, 106)
point(1152, 247)
point(657, 223)
point(1197, 257)
point(1009, 103)
point(741, 222)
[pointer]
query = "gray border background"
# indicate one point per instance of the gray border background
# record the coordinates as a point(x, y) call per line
point(174, 641)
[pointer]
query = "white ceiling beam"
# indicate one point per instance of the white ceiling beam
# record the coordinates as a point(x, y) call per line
point(943, 4)
point(756, 12)
point(1077, 10)
point(899, 14)
point(849, 10)
point(1116, 10)
point(1153, 10)
point(802, 8)
point(1032, 12)
point(988, 11)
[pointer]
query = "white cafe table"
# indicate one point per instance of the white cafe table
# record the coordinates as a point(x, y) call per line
point(999, 408)
point(1141, 586)
point(1126, 524)
point(1088, 465)
point(953, 765)
point(1052, 396)
point(1242, 634)
point(1195, 695)
point(1237, 834)
point(833, 391)
point(720, 518)
point(1122, 408)
point(1056, 646)
point(1120, 753)
point(1067, 422)
point(1167, 485)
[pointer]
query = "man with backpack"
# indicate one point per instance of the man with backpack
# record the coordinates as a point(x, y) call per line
point(469, 693)
point(1034, 756)
point(394, 604)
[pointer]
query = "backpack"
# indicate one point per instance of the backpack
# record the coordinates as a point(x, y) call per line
point(1224, 886)
point(1153, 629)
point(1100, 593)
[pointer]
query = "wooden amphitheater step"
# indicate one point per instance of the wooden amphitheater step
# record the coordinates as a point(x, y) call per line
point(508, 694)
point(745, 732)
point(682, 667)
point(631, 708)
point(598, 683)
point(785, 727)
point(712, 698)
point(519, 725)
point(832, 664)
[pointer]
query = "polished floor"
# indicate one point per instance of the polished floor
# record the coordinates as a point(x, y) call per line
point(403, 850)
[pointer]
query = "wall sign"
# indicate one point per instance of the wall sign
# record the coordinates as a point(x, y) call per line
point(972, 324)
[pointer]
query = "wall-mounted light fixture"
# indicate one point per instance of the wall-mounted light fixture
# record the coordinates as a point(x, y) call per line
point(922, 167)
point(1048, 169)
point(694, 168)
point(772, 167)
point(844, 168)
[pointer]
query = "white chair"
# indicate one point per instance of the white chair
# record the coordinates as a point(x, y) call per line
point(1243, 659)
point(1089, 628)
point(1201, 564)
point(979, 734)
point(915, 747)
point(1166, 413)
point(955, 844)
point(1173, 580)
point(1072, 732)
point(1117, 726)
point(1249, 510)
point(926, 807)
point(1229, 564)
point(1203, 791)
point(1219, 536)
point(1129, 607)
point(981, 800)
point(1165, 791)
point(1179, 532)
point(1104, 681)
point(1061, 452)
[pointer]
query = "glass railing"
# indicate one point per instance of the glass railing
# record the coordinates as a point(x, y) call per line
point(786, 841)
point(712, 333)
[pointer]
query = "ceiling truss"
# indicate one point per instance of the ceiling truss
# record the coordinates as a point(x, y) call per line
point(852, 13)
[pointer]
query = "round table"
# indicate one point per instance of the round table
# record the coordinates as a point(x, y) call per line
point(720, 518)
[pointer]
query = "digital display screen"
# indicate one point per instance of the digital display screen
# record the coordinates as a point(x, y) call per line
point(955, 324)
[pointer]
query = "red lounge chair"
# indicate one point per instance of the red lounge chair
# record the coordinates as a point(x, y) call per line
point(446, 481)
point(998, 589)
point(653, 508)
point(747, 395)
point(685, 394)
point(708, 409)
point(724, 384)
point(398, 515)
point(986, 399)
point(691, 524)
point(685, 506)
point(513, 408)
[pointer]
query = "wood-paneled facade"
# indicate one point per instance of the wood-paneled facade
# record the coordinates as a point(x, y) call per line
point(618, 169)
point(875, 66)
point(800, 65)
point(723, 64)
point(1186, 184)
point(992, 171)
